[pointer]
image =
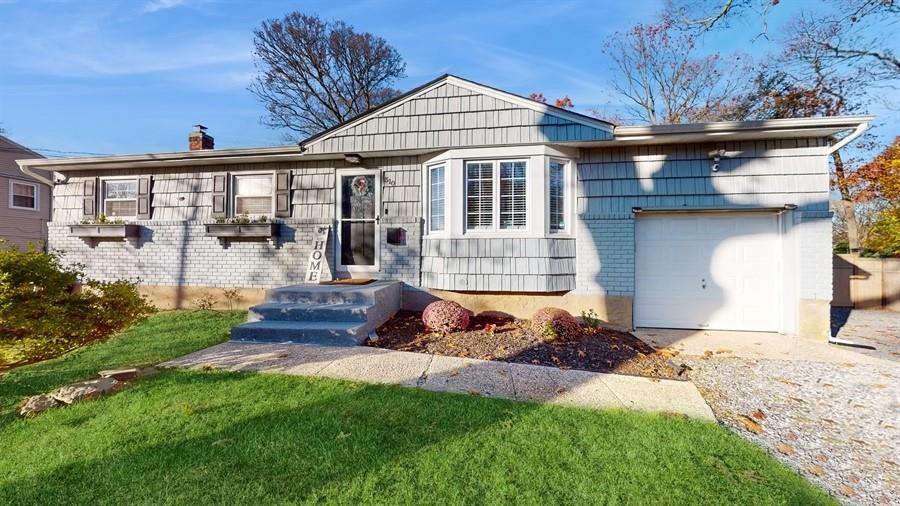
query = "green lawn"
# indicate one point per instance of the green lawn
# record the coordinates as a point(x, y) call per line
point(241, 438)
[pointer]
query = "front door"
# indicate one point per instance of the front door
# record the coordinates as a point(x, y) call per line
point(358, 203)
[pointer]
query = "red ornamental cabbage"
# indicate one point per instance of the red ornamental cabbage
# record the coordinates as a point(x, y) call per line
point(446, 316)
point(555, 323)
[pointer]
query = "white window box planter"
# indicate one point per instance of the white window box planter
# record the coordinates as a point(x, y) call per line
point(105, 231)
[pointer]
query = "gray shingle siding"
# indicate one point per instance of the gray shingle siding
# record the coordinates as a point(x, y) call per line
point(499, 265)
point(451, 116)
point(753, 174)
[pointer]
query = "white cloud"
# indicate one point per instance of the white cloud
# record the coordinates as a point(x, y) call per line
point(158, 5)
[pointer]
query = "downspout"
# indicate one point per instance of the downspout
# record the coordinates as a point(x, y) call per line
point(26, 170)
point(843, 142)
point(849, 138)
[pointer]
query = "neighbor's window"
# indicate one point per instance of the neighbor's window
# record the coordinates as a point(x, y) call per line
point(557, 197)
point(120, 197)
point(23, 195)
point(436, 199)
point(512, 194)
point(479, 195)
point(253, 194)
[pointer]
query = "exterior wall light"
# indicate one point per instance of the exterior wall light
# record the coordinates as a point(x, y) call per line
point(716, 157)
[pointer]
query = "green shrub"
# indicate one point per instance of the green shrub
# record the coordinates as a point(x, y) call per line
point(591, 319)
point(47, 308)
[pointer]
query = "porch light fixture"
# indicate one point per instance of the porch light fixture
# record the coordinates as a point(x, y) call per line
point(353, 159)
point(716, 157)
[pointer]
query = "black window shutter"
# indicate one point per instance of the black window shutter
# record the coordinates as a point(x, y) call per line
point(220, 195)
point(89, 198)
point(283, 194)
point(143, 198)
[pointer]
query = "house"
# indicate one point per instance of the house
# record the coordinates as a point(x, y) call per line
point(466, 192)
point(24, 200)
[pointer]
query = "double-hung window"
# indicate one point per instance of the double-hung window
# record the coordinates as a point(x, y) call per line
point(437, 198)
point(512, 195)
point(23, 195)
point(557, 195)
point(253, 194)
point(496, 195)
point(120, 197)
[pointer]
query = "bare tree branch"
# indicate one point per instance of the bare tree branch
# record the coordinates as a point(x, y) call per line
point(314, 74)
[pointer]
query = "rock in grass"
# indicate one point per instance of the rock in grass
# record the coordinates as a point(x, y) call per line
point(120, 374)
point(37, 404)
point(85, 390)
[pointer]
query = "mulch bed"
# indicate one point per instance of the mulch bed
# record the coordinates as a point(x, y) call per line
point(598, 350)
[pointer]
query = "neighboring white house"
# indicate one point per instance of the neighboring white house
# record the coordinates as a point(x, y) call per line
point(466, 192)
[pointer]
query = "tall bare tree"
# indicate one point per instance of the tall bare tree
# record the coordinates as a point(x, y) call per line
point(833, 58)
point(664, 80)
point(314, 74)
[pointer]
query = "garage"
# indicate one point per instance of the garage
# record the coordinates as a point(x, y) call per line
point(708, 271)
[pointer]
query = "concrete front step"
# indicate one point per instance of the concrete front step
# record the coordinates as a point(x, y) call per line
point(329, 332)
point(289, 311)
point(324, 314)
point(327, 294)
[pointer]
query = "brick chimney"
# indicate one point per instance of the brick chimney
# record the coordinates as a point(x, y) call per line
point(199, 139)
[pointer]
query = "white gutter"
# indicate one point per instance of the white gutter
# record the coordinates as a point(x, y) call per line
point(25, 169)
point(860, 128)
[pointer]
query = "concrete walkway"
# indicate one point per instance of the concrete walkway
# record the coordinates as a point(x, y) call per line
point(451, 374)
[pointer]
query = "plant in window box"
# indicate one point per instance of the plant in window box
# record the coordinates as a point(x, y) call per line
point(242, 226)
point(104, 227)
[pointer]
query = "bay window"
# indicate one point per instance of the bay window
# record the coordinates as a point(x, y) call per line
point(253, 194)
point(437, 194)
point(557, 195)
point(120, 197)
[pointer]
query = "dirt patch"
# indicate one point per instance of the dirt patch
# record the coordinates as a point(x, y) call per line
point(598, 350)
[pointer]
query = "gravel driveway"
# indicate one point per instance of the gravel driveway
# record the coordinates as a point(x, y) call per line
point(836, 422)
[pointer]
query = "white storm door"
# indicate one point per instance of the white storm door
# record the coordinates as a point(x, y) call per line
point(358, 235)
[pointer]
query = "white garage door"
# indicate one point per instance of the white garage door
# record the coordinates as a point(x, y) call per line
point(715, 271)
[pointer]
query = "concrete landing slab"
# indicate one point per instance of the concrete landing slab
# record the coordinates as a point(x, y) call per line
point(458, 375)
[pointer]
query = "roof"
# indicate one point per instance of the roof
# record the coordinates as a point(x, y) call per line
point(10, 151)
point(622, 135)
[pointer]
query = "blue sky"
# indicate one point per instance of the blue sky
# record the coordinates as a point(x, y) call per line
point(133, 76)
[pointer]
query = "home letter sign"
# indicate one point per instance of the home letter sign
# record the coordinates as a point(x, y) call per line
point(317, 255)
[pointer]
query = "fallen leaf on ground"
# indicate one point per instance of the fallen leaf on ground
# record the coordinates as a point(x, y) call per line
point(790, 436)
point(342, 435)
point(822, 458)
point(758, 414)
point(785, 449)
point(816, 469)
point(846, 490)
point(750, 425)
point(722, 350)
point(473, 391)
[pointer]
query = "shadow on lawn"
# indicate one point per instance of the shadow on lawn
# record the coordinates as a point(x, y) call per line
point(279, 453)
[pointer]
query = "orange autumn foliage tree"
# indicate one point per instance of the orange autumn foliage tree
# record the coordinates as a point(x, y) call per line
point(879, 181)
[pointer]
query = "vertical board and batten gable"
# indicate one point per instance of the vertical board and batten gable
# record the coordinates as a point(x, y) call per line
point(751, 174)
point(450, 116)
